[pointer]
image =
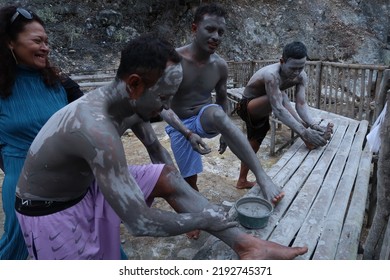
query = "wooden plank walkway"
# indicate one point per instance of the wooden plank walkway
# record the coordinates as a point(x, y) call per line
point(318, 194)
point(326, 191)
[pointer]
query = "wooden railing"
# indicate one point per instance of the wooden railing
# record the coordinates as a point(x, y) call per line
point(356, 91)
point(93, 79)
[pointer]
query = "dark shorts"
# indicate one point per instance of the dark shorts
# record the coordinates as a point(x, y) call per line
point(255, 130)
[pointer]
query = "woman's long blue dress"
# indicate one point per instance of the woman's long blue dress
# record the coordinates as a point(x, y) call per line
point(22, 115)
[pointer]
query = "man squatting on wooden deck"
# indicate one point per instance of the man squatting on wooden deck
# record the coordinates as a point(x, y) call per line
point(265, 93)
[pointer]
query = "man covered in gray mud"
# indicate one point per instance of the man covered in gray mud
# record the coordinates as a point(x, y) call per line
point(196, 114)
point(265, 93)
point(76, 186)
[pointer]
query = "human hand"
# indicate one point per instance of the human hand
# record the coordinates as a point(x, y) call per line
point(217, 219)
point(198, 145)
point(222, 145)
point(326, 132)
point(314, 138)
point(318, 127)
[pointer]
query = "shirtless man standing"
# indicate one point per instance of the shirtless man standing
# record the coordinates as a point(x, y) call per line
point(265, 92)
point(203, 72)
point(76, 187)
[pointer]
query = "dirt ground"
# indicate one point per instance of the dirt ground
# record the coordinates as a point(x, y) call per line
point(216, 183)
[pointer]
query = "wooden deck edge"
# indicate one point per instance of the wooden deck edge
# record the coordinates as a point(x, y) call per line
point(350, 236)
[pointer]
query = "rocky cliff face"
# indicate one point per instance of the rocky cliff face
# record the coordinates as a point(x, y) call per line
point(88, 35)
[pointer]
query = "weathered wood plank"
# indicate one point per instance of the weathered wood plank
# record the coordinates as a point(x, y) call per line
point(290, 189)
point(332, 100)
point(319, 190)
point(327, 245)
point(349, 240)
point(314, 170)
point(344, 97)
point(93, 84)
point(355, 66)
point(362, 93)
point(315, 219)
point(92, 77)
point(340, 178)
point(354, 77)
point(304, 169)
point(284, 158)
point(296, 156)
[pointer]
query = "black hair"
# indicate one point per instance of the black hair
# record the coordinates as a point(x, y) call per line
point(146, 53)
point(210, 9)
point(9, 31)
point(295, 50)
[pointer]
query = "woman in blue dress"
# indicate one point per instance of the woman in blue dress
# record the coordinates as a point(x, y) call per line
point(30, 92)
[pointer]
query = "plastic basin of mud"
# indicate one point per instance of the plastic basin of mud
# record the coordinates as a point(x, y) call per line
point(253, 212)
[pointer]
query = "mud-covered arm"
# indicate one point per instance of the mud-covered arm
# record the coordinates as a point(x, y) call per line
point(196, 141)
point(301, 106)
point(146, 134)
point(106, 157)
point(221, 87)
point(221, 97)
point(272, 83)
point(276, 98)
point(287, 104)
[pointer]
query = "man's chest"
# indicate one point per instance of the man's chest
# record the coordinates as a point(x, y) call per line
point(200, 78)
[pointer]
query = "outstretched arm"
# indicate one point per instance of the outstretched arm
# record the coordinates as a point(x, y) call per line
point(276, 100)
point(221, 98)
point(301, 106)
point(146, 134)
point(196, 141)
point(287, 104)
point(107, 160)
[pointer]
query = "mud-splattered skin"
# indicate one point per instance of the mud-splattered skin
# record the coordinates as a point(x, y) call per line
point(266, 92)
point(204, 71)
point(272, 81)
point(82, 142)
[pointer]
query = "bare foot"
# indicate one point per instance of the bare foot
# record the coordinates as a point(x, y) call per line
point(193, 234)
point(271, 192)
point(245, 184)
point(277, 198)
point(327, 135)
point(252, 248)
point(329, 131)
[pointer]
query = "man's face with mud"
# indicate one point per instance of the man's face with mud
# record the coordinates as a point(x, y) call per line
point(209, 32)
point(159, 96)
point(293, 67)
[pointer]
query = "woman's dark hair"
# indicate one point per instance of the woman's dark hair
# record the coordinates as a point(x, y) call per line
point(210, 9)
point(295, 50)
point(10, 27)
point(146, 53)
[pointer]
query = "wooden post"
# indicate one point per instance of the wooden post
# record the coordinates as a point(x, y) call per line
point(381, 98)
point(378, 239)
point(318, 83)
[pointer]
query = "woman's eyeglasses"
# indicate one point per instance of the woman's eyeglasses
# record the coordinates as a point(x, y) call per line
point(20, 11)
